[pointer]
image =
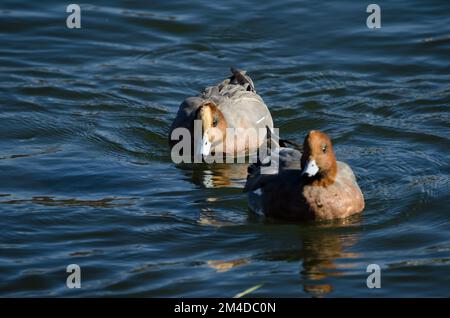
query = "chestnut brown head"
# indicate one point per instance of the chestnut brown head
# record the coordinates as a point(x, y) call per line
point(318, 160)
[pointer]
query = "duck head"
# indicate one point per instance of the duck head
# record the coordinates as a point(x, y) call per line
point(318, 160)
point(213, 128)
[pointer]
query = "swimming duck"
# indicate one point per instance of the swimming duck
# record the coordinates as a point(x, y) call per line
point(233, 103)
point(308, 186)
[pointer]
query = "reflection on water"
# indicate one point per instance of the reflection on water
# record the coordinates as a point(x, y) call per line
point(323, 253)
point(224, 266)
point(218, 175)
point(320, 254)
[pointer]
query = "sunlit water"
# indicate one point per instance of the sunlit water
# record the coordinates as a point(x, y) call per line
point(86, 176)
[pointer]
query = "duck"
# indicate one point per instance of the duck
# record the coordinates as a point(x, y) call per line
point(304, 182)
point(233, 103)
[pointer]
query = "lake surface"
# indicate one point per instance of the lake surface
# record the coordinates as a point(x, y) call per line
point(86, 176)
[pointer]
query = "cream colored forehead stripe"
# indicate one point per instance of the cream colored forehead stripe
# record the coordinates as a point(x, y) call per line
point(207, 116)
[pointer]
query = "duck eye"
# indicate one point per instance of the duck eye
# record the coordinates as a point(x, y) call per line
point(324, 148)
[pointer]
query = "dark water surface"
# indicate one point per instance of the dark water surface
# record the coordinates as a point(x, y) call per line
point(86, 176)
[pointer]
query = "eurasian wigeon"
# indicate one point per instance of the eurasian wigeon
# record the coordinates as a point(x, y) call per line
point(308, 186)
point(233, 103)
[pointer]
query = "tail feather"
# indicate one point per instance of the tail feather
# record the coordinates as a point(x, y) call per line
point(240, 77)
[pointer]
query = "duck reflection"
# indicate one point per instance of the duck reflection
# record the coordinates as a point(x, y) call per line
point(321, 249)
point(320, 254)
point(216, 175)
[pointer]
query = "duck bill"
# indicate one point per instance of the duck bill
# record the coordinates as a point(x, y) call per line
point(310, 169)
point(203, 146)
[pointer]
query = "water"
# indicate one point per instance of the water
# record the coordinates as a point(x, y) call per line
point(85, 172)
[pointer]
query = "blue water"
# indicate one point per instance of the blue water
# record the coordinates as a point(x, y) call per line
point(85, 172)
